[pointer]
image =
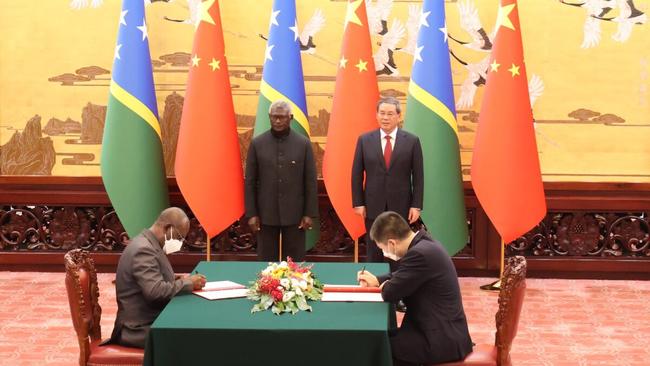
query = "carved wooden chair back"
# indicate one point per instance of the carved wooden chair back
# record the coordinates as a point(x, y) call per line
point(83, 296)
point(511, 300)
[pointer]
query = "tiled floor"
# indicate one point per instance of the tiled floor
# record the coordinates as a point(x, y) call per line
point(564, 322)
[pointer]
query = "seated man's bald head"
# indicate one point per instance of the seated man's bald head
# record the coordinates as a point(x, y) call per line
point(174, 217)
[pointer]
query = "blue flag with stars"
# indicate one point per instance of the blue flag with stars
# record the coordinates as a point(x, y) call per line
point(132, 161)
point(431, 115)
point(282, 76)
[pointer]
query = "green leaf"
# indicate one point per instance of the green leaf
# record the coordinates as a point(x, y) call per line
point(257, 307)
point(293, 307)
point(302, 304)
point(267, 301)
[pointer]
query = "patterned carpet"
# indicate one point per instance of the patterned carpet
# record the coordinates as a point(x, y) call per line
point(564, 322)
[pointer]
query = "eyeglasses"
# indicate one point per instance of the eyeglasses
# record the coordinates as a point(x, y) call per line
point(182, 238)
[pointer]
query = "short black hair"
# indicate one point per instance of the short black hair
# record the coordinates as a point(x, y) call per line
point(390, 100)
point(389, 225)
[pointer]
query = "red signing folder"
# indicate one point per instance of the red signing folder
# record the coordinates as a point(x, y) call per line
point(349, 288)
point(352, 293)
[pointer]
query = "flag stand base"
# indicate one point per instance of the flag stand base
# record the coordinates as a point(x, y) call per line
point(494, 286)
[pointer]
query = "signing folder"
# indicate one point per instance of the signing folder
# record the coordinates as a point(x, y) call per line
point(353, 293)
point(217, 290)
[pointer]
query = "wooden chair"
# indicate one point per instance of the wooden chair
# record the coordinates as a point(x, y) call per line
point(83, 295)
point(511, 300)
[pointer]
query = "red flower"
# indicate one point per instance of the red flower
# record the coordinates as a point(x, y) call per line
point(267, 284)
point(292, 265)
point(277, 295)
point(297, 267)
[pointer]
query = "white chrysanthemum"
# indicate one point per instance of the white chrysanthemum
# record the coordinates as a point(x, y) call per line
point(285, 283)
point(288, 296)
point(283, 264)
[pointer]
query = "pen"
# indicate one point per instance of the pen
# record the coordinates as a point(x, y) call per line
point(363, 269)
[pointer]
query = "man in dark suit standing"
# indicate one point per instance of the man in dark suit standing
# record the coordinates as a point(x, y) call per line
point(391, 159)
point(434, 329)
point(280, 192)
point(145, 281)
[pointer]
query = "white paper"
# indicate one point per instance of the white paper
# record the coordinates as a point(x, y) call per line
point(353, 296)
point(221, 285)
point(222, 294)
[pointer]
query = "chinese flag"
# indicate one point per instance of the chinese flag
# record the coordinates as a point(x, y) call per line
point(353, 113)
point(208, 162)
point(505, 167)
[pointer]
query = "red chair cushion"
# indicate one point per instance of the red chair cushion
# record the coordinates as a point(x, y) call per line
point(114, 354)
point(482, 355)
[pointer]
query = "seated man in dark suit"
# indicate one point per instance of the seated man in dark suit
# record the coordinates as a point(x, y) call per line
point(434, 329)
point(145, 281)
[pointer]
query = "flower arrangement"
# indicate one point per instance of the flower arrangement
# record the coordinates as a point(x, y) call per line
point(285, 287)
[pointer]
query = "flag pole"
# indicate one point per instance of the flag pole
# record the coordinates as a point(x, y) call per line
point(496, 285)
point(280, 248)
point(356, 250)
point(207, 245)
point(503, 254)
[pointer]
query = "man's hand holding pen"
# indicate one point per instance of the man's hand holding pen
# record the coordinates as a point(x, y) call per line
point(198, 280)
point(367, 279)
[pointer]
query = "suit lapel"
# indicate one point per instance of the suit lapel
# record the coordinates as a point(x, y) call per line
point(376, 145)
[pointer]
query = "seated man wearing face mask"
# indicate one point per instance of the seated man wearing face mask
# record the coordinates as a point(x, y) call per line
point(434, 329)
point(145, 281)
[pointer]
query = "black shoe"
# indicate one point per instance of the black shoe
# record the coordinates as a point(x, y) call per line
point(400, 306)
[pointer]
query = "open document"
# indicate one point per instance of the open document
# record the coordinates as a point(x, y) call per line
point(352, 293)
point(217, 290)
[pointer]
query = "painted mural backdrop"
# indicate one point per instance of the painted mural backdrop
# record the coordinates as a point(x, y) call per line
point(588, 64)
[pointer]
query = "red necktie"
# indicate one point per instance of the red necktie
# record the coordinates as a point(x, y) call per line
point(388, 150)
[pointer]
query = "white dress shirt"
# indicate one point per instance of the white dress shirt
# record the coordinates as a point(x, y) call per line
point(393, 138)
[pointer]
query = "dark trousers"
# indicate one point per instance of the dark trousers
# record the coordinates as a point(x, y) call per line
point(373, 253)
point(268, 243)
point(397, 362)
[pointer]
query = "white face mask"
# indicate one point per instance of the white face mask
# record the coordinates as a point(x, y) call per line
point(172, 245)
point(392, 256)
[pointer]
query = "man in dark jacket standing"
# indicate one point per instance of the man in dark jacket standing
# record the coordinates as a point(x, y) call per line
point(280, 187)
point(394, 174)
point(434, 329)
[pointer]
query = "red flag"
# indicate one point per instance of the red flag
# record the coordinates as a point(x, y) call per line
point(208, 162)
point(505, 167)
point(353, 113)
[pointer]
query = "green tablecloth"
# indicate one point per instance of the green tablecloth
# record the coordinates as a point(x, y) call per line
point(195, 331)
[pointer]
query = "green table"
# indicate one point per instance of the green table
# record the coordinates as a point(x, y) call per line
point(194, 331)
